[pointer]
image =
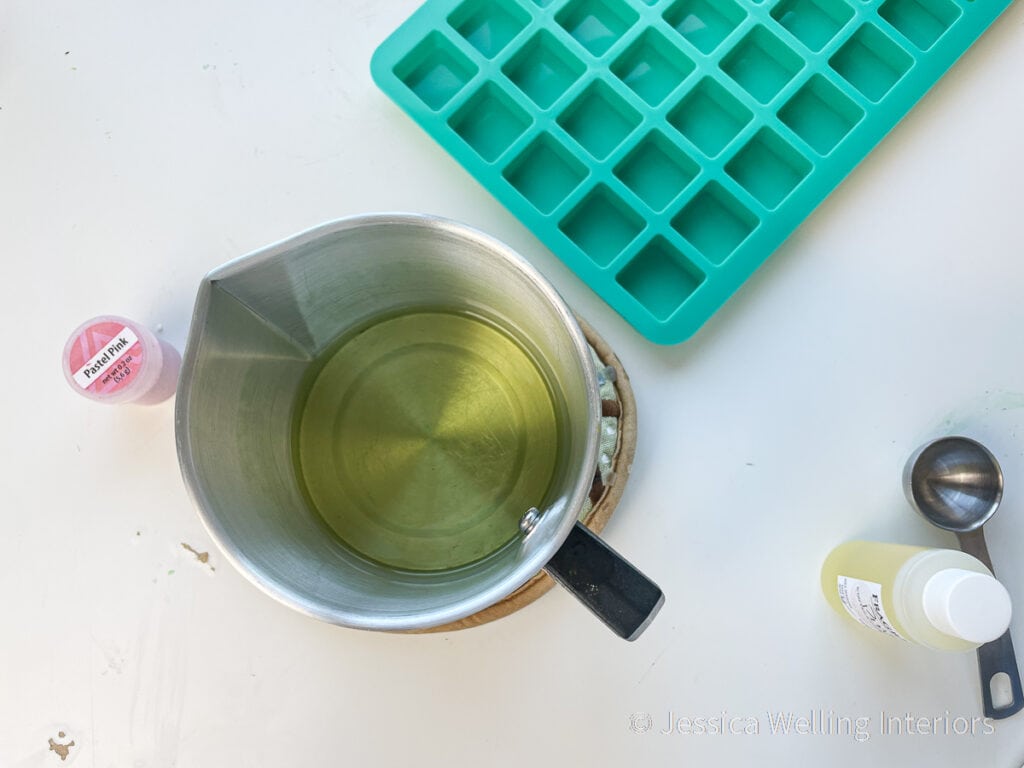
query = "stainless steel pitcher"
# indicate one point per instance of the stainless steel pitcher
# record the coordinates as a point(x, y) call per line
point(261, 321)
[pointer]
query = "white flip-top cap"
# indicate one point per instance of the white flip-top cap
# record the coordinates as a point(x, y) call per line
point(966, 604)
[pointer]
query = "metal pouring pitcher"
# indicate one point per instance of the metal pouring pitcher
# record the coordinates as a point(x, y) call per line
point(259, 324)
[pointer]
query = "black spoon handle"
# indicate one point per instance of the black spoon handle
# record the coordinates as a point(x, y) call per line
point(973, 543)
point(996, 656)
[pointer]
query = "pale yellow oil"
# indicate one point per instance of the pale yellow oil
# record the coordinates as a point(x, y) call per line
point(902, 572)
point(423, 438)
point(870, 561)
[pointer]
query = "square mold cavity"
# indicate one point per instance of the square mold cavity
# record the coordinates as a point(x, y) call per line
point(705, 23)
point(489, 25)
point(922, 22)
point(762, 64)
point(599, 119)
point(545, 173)
point(768, 168)
point(656, 170)
point(543, 69)
point(871, 62)
point(602, 225)
point(660, 277)
point(597, 24)
point(821, 114)
point(715, 222)
point(435, 70)
point(652, 67)
point(813, 22)
point(490, 121)
point(710, 117)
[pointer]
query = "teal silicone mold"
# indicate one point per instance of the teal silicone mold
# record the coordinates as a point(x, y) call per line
point(665, 148)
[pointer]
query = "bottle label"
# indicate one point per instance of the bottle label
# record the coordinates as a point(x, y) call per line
point(105, 357)
point(863, 600)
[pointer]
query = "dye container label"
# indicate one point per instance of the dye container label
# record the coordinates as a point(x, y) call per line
point(105, 358)
point(863, 600)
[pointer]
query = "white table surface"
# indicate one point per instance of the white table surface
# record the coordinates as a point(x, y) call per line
point(143, 143)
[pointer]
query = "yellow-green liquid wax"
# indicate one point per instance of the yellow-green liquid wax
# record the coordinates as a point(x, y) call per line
point(423, 438)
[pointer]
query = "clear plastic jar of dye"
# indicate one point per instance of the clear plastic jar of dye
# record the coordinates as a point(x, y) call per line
point(113, 360)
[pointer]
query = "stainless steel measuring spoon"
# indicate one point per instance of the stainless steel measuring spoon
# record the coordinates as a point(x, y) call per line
point(956, 484)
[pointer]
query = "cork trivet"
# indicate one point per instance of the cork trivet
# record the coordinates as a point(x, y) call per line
point(603, 506)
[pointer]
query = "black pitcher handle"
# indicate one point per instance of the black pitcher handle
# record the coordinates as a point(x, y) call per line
point(601, 579)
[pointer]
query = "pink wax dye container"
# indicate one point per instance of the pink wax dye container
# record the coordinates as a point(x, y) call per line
point(114, 360)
